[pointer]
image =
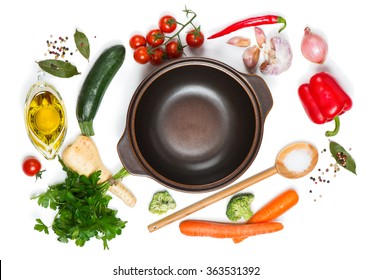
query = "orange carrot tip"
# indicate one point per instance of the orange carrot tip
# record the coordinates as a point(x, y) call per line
point(226, 230)
point(276, 207)
point(273, 209)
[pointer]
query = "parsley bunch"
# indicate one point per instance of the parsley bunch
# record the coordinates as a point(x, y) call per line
point(82, 209)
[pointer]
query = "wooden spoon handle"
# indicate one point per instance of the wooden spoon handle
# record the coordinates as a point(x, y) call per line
point(211, 199)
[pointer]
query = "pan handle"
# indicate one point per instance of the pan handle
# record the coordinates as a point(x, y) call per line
point(127, 156)
point(262, 92)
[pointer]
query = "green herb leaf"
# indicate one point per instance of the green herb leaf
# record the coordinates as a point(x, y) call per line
point(58, 68)
point(82, 210)
point(40, 226)
point(342, 157)
point(82, 44)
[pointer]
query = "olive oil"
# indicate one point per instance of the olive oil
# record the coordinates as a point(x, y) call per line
point(45, 118)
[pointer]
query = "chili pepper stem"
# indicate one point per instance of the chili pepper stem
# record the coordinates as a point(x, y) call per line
point(332, 133)
point(281, 20)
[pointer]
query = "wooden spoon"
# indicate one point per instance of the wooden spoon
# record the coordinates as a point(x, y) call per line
point(280, 167)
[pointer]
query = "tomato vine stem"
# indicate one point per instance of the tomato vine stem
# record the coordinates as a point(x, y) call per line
point(177, 34)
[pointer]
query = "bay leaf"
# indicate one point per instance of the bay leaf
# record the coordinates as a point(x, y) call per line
point(336, 149)
point(82, 44)
point(58, 68)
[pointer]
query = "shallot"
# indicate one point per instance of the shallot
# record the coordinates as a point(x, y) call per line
point(313, 47)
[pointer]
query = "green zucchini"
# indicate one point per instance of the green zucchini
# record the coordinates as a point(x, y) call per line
point(95, 85)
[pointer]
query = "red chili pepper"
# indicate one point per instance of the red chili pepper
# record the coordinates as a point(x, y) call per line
point(324, 100)
point(254, 21)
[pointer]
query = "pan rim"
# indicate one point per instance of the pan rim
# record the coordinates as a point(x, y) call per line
point(242, 166)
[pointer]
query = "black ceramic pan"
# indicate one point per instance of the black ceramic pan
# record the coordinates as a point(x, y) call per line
point(195, 125)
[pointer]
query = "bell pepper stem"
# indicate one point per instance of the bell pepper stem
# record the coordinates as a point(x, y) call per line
point(332, 133)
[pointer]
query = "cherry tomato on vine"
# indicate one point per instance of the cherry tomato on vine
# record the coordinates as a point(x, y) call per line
point(174, 49)
point(141, 55)
point(31, 166)
point(167, 24)
point(157, 56)
point(155, 37)
point(195, 38)
point(137, 41)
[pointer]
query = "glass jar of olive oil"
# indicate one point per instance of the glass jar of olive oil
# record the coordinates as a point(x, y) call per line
point(45, 117)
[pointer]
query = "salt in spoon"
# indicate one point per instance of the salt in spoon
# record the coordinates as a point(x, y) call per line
point(282, 167)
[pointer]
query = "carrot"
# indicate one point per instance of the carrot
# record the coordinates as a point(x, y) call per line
point(226, 230)
point(82, 156)
point(273, 209)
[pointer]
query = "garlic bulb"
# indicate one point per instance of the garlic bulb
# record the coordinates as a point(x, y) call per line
point(278, 56)
point(314, 47)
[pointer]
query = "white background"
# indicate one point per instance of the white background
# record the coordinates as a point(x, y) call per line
point(327, 235)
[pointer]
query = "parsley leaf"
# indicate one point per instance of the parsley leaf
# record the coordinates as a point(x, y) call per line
point(40, 226)
point(82, 210)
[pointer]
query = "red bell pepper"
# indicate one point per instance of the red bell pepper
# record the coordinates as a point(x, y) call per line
point(324, 100)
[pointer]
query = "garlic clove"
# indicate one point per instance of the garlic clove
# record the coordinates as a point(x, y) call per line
point(239, 41)
point(260, 36)
point(250, 58)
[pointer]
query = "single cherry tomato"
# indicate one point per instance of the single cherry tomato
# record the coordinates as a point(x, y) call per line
point(137, 41)
point(32, 167)
point(155, 37)
point(157, 56)
point(174, 49)
point(141, 55)
point(167, 24)
point(195, 38)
